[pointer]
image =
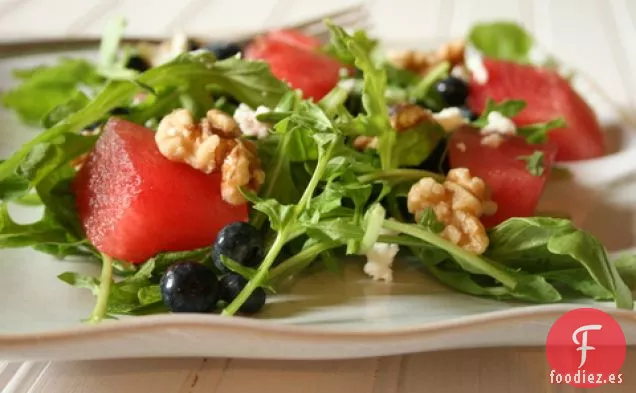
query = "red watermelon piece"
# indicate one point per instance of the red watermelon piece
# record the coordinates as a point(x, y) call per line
point(548, 96)
point(134, 203)
point(294, 58)
point(515, 190)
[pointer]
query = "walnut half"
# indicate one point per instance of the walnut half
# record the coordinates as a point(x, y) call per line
point(458, 203)
point(209, 145)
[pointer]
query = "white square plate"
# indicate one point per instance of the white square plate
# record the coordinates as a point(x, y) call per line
point(323, 315)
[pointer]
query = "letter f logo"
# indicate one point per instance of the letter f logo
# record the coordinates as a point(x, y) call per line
point(583, 343)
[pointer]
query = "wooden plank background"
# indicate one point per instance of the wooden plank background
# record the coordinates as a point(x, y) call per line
point(597, 36)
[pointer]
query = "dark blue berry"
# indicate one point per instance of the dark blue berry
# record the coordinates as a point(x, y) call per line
point(240, 242)
point(224, 50)
point(120, 111)
point(137, 63)
point(232, 284)
point(453, 91)
point(189, 287)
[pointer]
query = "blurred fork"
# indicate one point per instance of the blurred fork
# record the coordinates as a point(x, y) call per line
point(350, 18)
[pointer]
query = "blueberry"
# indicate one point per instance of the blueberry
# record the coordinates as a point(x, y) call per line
point(224, 50)
point(137, 63)
point(120, 111)
point(189, 287)
point(468, 114)
point(240, 242)
point(453, 91)
point(232, 284)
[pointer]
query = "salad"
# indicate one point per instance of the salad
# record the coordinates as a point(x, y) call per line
point(204, 178)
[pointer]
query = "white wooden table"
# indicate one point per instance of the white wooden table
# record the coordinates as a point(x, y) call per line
point(598, 36)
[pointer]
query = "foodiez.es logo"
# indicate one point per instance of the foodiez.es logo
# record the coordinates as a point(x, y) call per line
point(586, 348)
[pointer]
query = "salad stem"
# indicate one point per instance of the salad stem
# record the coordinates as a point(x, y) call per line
point(403, 174)
point(323, 160)
point(101, 305)
point(300, 260)
point(458, 252)
point(259, 277)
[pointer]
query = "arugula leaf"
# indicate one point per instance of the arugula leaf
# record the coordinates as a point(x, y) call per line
point(429, 221)
point(162, 261)
point(538, 133)
point(13, 187)
point(580, 281)
point(365, 43)
point(249, 82)
point(376, 120)
point(79, 281)
point(502, 40)
point(52, 85)
point(110, 65)
point(534, 163)
point(45, 231)
point(78, 101)
point(541, 244)
point(507, 108)
point(626, 266)
point(589, 252)
point(414, 145)
point(149, 295)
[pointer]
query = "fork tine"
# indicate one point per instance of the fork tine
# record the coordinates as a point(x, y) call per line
point(343, 12)
point(349, 21)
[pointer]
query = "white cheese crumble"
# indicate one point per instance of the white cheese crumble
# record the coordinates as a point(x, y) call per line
point(499, 124)
point(460, 72)
point(461, 146)
point(475, 63)
point(450, 118)
point(380, 259)
point(249, 125)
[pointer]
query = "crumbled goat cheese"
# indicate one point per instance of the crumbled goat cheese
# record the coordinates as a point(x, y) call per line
point(380, 259)
point(499, 124)
point(450, 118)
point(461, 146)
point(249, 125)
point(475, 63)
point(460, 72)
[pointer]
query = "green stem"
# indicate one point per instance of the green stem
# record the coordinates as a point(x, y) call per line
point(300, 260)
point(106, 278)
point(259, 277)
point(273, 174)
point(323, 160)
point(458, 252)
point(406, 174)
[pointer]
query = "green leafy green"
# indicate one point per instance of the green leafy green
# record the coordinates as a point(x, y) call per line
point(534, 163)
point(507, 108)
point(542, 244)
point(111, 65)
point(414, 145)
point(502, 40)
point(538, 133)
point(44, 88)
point(590, 253)
point(429, 221)
point(62, 111)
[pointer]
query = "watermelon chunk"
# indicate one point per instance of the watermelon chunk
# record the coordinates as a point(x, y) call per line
point(548, 96)
point(134, 203)
point(515, 190)
point(294, 58)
